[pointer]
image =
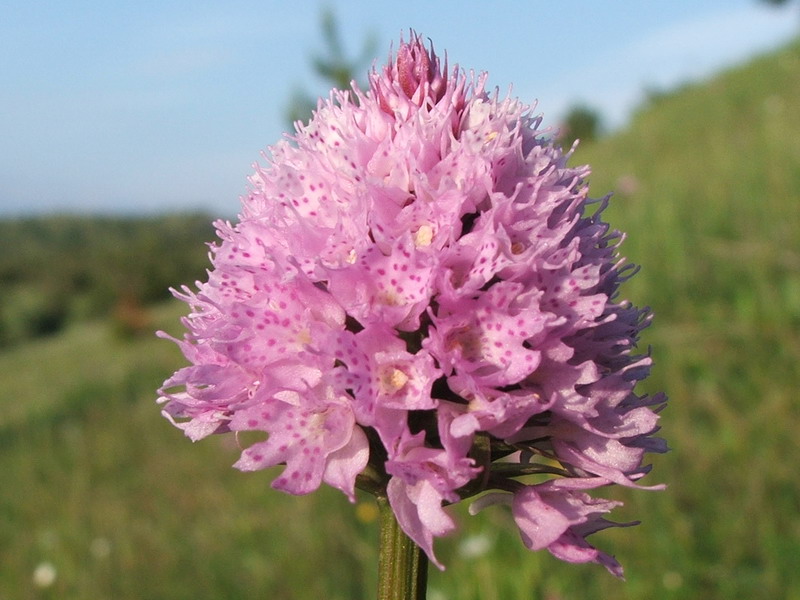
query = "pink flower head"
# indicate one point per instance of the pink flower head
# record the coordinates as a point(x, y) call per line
point(418, 283)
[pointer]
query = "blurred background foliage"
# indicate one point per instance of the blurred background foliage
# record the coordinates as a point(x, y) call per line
point(581, 123)
point(59, 269)
point(102, 498)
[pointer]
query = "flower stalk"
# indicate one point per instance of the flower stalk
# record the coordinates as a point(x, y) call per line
point(402, 566)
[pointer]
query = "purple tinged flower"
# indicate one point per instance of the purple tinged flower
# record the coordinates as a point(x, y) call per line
point(420, 298)
point(559, 520)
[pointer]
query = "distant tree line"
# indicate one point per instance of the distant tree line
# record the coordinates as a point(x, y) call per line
point(56, 270)
point(580, 123)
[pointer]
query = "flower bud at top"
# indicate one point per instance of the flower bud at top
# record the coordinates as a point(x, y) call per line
point(417, 72)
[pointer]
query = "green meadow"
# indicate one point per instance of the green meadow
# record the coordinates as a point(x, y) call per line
point(102, 498)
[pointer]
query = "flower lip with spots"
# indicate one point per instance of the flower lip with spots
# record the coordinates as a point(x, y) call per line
point(420, 299)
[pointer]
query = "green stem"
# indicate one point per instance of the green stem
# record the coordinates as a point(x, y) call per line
point(402, 566)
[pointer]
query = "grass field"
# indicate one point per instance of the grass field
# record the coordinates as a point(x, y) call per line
point(102, 498)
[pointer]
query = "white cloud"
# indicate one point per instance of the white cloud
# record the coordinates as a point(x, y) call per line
point(614, 82)
point(697, 47)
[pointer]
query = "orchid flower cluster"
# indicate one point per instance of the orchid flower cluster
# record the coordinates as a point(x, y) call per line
point(419, 299)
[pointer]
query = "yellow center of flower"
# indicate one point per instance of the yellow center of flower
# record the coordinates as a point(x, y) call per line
point(303, 337)
point(424, 236)
point(467, 341)
point(392, 380)
point(389, 298)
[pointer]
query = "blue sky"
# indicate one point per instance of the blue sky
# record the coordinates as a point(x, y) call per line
point(164, 105)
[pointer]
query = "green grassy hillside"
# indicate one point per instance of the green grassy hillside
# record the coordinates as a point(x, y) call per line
point(100, 488)
point(713, 212)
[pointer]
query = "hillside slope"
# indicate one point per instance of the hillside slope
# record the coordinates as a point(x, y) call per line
point(708, 181)
point(709, 176)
